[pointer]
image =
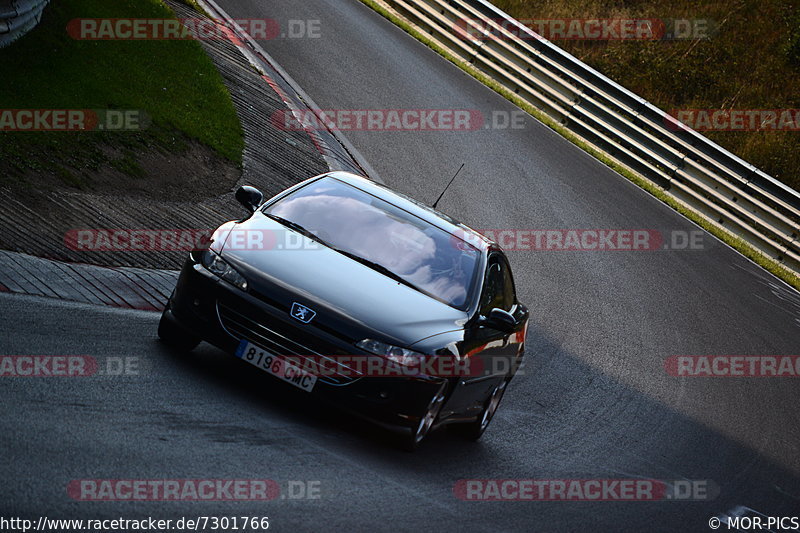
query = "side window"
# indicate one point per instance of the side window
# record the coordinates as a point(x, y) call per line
point(498, 290)
point(509, 295)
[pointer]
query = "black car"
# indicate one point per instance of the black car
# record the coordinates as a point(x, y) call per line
point(339, 270)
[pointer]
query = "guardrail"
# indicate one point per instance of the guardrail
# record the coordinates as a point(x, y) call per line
point(18, 17)
point(726, 190)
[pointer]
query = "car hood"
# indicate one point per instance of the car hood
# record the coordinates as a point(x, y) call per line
point(347, 296)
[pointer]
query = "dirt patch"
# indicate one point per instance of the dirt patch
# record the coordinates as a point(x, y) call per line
point(194, 172)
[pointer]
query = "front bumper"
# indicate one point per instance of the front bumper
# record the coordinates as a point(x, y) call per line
point(201, 300)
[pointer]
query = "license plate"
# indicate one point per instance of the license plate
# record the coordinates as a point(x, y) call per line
point(278, 367)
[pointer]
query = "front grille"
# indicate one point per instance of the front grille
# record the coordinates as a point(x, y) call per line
point(283, 339)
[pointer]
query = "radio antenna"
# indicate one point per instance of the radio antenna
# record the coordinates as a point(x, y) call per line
point(448, 185)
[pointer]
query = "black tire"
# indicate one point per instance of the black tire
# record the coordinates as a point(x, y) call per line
point(417, 434)
point(173, 335)
point(474, 430)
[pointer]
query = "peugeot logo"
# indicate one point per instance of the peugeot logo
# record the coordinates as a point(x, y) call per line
point(302, 313)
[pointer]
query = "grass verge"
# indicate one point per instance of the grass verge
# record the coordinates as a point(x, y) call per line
point(731, 240)
point(173, 82)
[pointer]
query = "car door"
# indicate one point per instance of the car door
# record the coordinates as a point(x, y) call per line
point(491, 352)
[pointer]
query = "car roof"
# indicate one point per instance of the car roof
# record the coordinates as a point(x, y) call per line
point(416, 208)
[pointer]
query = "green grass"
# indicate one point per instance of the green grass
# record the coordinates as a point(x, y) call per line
point(173, 82)
point(731, 240)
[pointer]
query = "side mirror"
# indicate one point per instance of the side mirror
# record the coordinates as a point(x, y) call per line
point(500, 320)
point(249, 197)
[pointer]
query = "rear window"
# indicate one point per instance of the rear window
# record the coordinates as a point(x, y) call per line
point(344, 217)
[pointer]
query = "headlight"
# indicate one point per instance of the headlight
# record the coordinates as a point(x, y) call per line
point(403, 356)
point(218, 266)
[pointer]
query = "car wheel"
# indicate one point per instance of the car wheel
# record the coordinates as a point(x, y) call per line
point(173, 335)
point(421, 430)
point(474, 430)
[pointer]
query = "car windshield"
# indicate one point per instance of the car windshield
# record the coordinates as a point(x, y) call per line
point(367, 228)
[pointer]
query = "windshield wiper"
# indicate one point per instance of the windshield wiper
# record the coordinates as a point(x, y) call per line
point(371, 264)
point(296, 227)
point(379, 268)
